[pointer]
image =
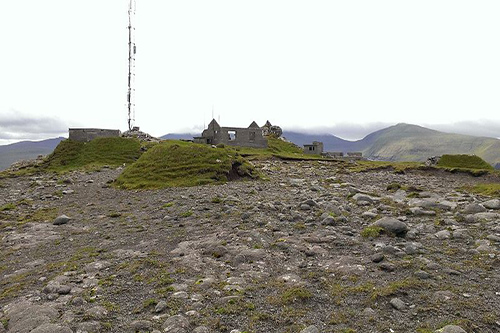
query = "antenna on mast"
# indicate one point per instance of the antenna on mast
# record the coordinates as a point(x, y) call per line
point(131, 65)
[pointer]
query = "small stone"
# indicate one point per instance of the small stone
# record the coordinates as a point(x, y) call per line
point(51, 328)
point(89, 326)
point(141, 326)
point(63, 290)
point(97, 312)
point(422, 275)
point(78, 301)
point(387, 267)
point(304, 207)
point(328, 221)
point(377, 257)
point(368, 312)
point(177, 324)
point(310, 329)
point(160, 307)
point(443, 234)
point(398, 304)
point(201, 329)
point(493, 238)
point(451, 329)
point(60, 220)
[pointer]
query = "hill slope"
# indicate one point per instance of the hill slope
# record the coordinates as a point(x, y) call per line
point(25, 150)
point(404, 142)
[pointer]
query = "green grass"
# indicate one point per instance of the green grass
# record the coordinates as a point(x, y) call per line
point(176, 163)
point(71, 155)
point(464, 162)
point(491, 189)
point(371, 232)
point(277, 148)
point(9, 206)
point(295, 294)
point(364, 166)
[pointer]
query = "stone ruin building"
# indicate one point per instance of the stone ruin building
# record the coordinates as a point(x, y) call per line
point(233, 136)
point(88, 134)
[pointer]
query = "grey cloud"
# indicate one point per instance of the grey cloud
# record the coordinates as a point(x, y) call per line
point(19, 126)
point(488, 128)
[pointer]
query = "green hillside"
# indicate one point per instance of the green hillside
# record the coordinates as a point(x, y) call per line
point(71, 155)
point(404, 142)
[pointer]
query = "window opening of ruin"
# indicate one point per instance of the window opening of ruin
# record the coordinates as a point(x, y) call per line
point(232, 135)
point(252, 136)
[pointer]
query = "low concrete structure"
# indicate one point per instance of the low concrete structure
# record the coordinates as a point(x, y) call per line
point(233, 136)
point(334, 154)
point(354, 155)
point(315, 148)
point(88, 134)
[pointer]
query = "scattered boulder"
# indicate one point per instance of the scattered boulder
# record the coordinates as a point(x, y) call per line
point(52, 328)
point(451, 329)
point(310, 329)
point(474, 208)
point(60, 220)
point(392, 225)
point(397, 304)
point(492, 204)
point(176, 324)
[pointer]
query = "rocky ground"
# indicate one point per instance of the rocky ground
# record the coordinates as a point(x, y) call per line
point(313, 249)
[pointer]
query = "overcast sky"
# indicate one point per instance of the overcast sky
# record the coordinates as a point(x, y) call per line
point(343, 66)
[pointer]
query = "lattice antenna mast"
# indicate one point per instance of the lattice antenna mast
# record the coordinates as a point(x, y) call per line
point(131, 65)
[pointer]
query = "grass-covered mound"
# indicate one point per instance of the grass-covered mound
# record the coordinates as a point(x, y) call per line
point(464, 162)
point(278, 148)
point(178, 163)
point(71, 155)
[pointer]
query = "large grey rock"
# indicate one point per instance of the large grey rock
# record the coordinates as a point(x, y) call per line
point(451, 329)
point(175, 324)
point(360, 197)
point(25, 312)
point(28, 324)
point(63, 219)
point(492, 204)
point(392, 225)
point(443, 234)
point(141, 326)
point(89, 327)
point(97, 312)
point(52, 328)
point(310, 329)
point(474, 208)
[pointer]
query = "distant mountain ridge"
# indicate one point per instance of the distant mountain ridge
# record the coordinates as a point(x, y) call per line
point(406, 142)
point(26, 150)
point(401, 142)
